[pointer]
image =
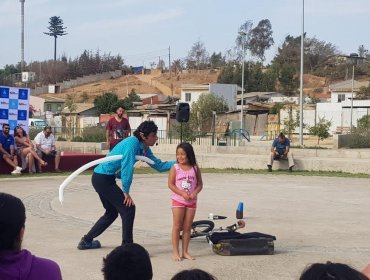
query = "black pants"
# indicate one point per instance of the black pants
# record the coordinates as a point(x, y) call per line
point(112, 198)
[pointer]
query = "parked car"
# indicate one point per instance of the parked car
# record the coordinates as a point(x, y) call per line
point(36, 123)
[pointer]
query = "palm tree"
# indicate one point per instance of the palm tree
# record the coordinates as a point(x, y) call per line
point(56, 29)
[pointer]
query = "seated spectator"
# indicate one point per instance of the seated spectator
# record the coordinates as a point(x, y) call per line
point(280, 149)
point(331, 271)
point(193, 274)
point(129, 262)
point(45, 147)
point(26, 150)
point(17, 263)
point(7, 150)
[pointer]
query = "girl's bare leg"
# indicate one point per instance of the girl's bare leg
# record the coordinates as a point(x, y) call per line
point(178, 219)
point(188, 220)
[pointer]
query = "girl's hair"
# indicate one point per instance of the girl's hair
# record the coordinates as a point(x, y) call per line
point(12, 220)
point(146, 128)
point(24, 133)
point(331, 271)
point(189, 151)
point(193, 274)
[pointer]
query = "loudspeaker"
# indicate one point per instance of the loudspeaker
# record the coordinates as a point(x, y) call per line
point(182, 112)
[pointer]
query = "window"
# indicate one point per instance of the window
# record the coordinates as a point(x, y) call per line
point(187, 97)
point(341, 97)
point(48, 107)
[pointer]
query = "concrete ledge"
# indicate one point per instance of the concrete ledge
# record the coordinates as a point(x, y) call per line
point(258, 162)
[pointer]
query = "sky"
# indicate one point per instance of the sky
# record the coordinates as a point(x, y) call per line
point(141, 31)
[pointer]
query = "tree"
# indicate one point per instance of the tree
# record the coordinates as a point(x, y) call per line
point(106, 103)
point(202, 111)
point(197, 56)
point(363, 93)
point(321, 129)
point(362, 51)
point(288, 79)
point(261, 39)
point(243, 39)
point(178, 65)
point(56, 29)
point(217, 60)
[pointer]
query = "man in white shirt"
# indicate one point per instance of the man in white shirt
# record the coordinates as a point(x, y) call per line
point(45, 145)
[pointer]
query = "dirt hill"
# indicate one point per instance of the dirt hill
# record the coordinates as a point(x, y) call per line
point(123, 85)
point(163, 83)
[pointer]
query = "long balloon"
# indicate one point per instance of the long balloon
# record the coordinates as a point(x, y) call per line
point(90, 164)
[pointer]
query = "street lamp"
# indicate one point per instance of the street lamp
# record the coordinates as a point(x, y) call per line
point(301, 82)
point(242, 34)
point(22, 35)
point(353, 57)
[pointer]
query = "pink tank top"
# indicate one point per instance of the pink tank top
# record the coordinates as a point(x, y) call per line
point(185, 180)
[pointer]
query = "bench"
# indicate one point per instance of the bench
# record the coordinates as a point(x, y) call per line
point(69, 161)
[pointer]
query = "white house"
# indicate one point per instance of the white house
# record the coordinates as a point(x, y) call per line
point(342, 91)
point(190, 93)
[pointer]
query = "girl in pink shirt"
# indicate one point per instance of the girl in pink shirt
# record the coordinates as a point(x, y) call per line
point(185, 182)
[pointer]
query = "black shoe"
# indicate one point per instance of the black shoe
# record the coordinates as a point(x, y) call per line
point(84, 245)
point(291, 169)
point(269, 167)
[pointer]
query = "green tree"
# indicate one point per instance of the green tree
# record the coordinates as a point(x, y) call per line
point(197, 57)
point(321, 129)
point(261, 39)
point(217, 60)
point(363, 93)
point(290, 123)
point(56, 29)
point(288, 79)
point(106, 103)
point(201, 115)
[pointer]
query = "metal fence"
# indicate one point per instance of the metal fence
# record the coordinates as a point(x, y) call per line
point(97, 134)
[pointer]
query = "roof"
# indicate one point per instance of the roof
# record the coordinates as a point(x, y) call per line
point(53, 99)
point(146, 95)
point(347, 85)
point(80, 107)
point(259, 94)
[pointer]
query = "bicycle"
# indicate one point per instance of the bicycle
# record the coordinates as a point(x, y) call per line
point(207, 227)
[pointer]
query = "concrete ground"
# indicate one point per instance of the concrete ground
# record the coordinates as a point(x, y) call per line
point(315, 219)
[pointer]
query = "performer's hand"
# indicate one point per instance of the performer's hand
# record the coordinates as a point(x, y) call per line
point(185, 195)
point(128, 200)
point(193, 195)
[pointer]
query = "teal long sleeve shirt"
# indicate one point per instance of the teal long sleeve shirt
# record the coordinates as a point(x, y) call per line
point(129, 148)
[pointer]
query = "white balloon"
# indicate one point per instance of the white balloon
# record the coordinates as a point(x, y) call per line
point(90, 164)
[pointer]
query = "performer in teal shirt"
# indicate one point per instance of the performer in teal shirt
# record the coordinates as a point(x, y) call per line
point(117, 201)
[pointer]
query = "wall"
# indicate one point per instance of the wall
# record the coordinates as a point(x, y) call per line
point(80, 81)
point(227, 91)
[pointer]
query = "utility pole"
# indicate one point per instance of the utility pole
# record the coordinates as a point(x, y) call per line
point(22, 34)
point(169, 59)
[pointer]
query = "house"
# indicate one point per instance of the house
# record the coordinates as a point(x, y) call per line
point(83, 115)
point(190, 93)
point(149, 98)
point(53, 104)
point(342, 91)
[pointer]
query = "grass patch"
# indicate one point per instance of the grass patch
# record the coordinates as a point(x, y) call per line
point(145, 170)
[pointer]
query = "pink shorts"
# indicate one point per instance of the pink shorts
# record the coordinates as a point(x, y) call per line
point(177, 204)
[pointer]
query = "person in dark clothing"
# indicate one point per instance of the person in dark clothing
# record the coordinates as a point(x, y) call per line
point(115, 200)
point(129, 262)
point(331, 271)
point(17, 263)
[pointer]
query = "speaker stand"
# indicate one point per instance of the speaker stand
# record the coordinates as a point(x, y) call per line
point(181, 133)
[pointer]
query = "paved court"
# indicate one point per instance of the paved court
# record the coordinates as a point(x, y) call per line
point(314, 219)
